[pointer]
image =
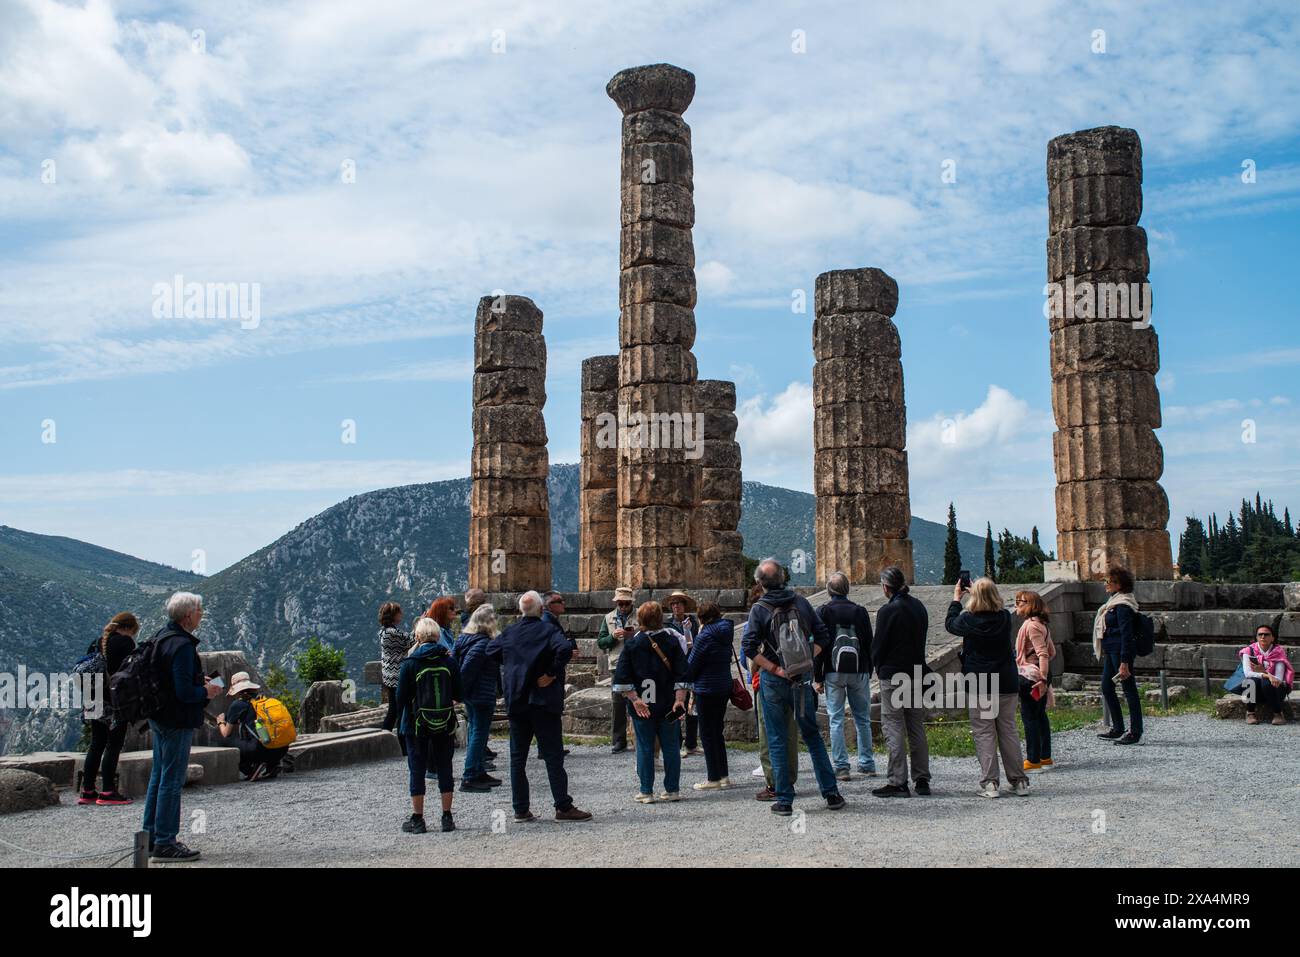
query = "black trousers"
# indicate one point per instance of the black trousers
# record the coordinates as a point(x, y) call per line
point(618, 708)
point(713, 709)
point(545, 726)
point(105, 747)
point(1272, 698)
point(1110, 668)
point(1038, 727)
point(252, 753)
point(692, 729)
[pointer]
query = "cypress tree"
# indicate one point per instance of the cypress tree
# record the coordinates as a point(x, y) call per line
point(989, 569)
point(951, 550)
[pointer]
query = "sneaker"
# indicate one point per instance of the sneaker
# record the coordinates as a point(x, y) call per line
point(259, 772)
point(1252, 718)
point(1047, 764)
point(1278, 719)
point(784, 810)
point(573, 814)
point(644, 799)
point(488, 752)
point(757, 772)
point(475, 786)
point(286, 763)
point(988, 790)
point(923, 787)
point(447, 823)
point(174, 853)
point(692, 752)
point(866, 772)
point(669, 796)
point(1022, 788)
point(88, 797)
point(767, 794)
point(489, 780)
point(618, 748)
point(112, 798)
point(835, 801)
point(843, 775)
point(1129, 738)
point(526, 818)
point(1111, 735)
point(414, 824)
point(708, 785)
point(893, 791)
point(1033, 765)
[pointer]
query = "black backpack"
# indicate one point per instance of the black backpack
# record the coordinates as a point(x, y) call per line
point(136, 688)
point(1144, 634)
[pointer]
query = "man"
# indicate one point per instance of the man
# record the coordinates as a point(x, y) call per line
point(617, 626)
point(532, 654)
point(473, 598)
point(897, 650)
point(185, 694)
point(845, 673)
point(782, 694)
point(554, 608)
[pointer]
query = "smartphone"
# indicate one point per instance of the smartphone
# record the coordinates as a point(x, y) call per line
point(963, 579)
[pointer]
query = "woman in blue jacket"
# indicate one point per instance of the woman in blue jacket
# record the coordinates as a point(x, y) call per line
point(480, 676)
point(651, 675)
point(1115, 643)
point(708, 668)
point(428, 746)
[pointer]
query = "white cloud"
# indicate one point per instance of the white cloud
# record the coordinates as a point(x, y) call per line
point(775, 437)
point(714, 278)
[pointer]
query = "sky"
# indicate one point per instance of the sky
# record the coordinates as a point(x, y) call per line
point(372, 169)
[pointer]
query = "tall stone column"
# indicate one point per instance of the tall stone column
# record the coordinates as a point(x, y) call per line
point(859, 428)
point(510, 521)
point(658, 487)
point(722, 564)
point(598, 489)
point(1110, 506)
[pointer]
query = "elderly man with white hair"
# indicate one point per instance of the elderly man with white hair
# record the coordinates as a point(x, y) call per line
point(532, 654)
point(185, 693)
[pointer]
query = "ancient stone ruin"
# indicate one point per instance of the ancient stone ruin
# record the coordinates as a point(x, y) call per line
point(1110, 506)
point(598, 485)
point(859, 427)
point(722, 564)
point(658, 482)
point(510, 522)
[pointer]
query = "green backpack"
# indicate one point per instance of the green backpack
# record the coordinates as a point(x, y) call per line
point(433, 704)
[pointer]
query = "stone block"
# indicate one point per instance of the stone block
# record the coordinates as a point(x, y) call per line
point(22, 790)
point(658, 566)
point(352, 720)
point(659, 86)
point(652, 527)
point(655, 126)
point(508, 460)
point(509, 349)
point(650, 242)
point(220, 765)
point(600, 374)
point(372, 673)
point(646, 323)
point(1094, 201)
point(511, 387)
point(715, 395)
point(648, 163)
point(721, 454)
point(1103, 151)
point(855, 471)
point(60, 767)
point(720, 485)
point(843, 291)
point(838, 425)
point(859, 379)
point(719, 515)
point(1175, 693)
point(507, 314)
point(1111, 503)
point(338, 748)
point(1071, 681)
point(885, 515)
point(1107, 295)
point(1119, 451)
point(1145, 552)
point(1083, 250)
point(1106, 397)
point(671, 284)
point(656, 363)
point(502, 496)
point(665, 203)
point(854, 552)
point(664, 483)
point(523, 424)
point(855, 334)
point(322, 699)
point(1103, 347)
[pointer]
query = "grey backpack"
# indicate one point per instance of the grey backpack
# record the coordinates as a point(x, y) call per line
point(791, 641)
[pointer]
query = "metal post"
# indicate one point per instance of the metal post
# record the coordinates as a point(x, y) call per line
point(141, 849)
point(1164, 692)
point(1205, 675)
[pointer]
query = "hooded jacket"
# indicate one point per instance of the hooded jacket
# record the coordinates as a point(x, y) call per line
point(708, 667)
point(757, 638)
point(425, 653)
point(479, 674)
point(525, 651)
point(184, 697)
point(986, 645)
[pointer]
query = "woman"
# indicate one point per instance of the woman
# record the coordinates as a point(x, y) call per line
point(1268, 669)
point(1034, 653)
point(687, 625)
point(708, 669)
point(480, 676)
point(106, 733)
point(986, 653)
point(1114, 642)
point(443, 611)
point(428, 747)
point(256, 760)
point(394, 643)
point(651, 675)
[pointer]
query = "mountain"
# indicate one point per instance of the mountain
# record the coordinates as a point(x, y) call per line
point(326, 578)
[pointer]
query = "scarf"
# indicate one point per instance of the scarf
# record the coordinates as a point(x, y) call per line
point(1099, 623)
point(1271, 659)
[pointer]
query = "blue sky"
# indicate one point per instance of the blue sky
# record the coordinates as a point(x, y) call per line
point(477, 170)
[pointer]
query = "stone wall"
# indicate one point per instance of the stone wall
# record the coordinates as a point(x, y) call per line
point(598, 484)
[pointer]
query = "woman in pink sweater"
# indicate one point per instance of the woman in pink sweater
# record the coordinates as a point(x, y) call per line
point(1034, 653)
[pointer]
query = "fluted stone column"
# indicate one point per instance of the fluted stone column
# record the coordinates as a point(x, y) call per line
point(722, 564)
point(859, 427)
point(598, 489)
point(510, 523)
point(1110, 506)
point(658, 487)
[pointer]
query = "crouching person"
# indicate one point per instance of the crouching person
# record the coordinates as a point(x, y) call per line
point(651, 674)
point(428, 684)
point(261, 750)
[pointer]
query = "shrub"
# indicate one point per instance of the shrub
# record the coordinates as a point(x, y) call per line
point(320, 662)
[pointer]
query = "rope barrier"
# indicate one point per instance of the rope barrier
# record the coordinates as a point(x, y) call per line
point(74, 857)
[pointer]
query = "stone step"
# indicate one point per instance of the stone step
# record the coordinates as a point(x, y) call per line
point(349, 721)
point(1234, 706)
point(1171, 657)
point(329, 749)
point(208, 765)
point(1207, 626)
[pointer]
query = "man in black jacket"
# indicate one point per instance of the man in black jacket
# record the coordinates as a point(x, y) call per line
point(898, 653)
point(845, 674)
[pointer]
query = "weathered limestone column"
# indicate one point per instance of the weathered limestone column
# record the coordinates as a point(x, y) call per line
point(1110, 507)
point(721, 562)
point(598, 489)
point(658, 486)
point(859, 427)
point(510, 521)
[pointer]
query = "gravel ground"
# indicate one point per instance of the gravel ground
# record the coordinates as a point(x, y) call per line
point(1193, 793)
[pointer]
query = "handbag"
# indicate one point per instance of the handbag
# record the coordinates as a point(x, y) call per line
point(740, 696)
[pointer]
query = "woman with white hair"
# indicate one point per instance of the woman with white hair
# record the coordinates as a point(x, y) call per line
point(428, 685)
point(480, 676)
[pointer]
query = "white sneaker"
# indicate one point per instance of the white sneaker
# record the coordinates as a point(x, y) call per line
point(707, 785)
point(988, 790)
point(1022, 788)
point(644, 799)
point(757, 772)
point(724, 784)
point(669, 796)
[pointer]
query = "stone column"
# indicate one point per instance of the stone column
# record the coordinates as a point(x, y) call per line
point(510, 521)
point(718, 516)
point(598, 488)
point(1110, 507)
point(859, 428)
point(658, 487)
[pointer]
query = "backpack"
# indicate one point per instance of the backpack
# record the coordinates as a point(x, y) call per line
point(92, 662)
point(846, 651)
point(1144, 634)
point(136, 688)
point(433, 705)
point(790, 640)
point(274, 725)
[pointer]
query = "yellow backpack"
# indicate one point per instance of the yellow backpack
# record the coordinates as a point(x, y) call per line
point(274, 725)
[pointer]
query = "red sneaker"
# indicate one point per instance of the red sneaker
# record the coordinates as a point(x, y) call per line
point(88, 797)
point(113, 798)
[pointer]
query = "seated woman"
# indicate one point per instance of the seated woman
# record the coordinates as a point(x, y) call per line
point(256, 761)
point(1269, 675)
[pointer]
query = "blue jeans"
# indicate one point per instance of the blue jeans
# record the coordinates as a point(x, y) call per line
point(1109, 669)
point(669, 735)
point(162, 802)
point(857, 689)
point(780, 696)
point(478, 721)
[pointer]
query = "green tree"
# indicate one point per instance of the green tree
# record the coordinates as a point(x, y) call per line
point(951, 551)
point(1192, 546)
point(275, 683)
point(990, 570)
point(321, 662)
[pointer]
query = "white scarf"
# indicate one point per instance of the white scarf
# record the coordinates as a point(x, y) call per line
point(1099, 623)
